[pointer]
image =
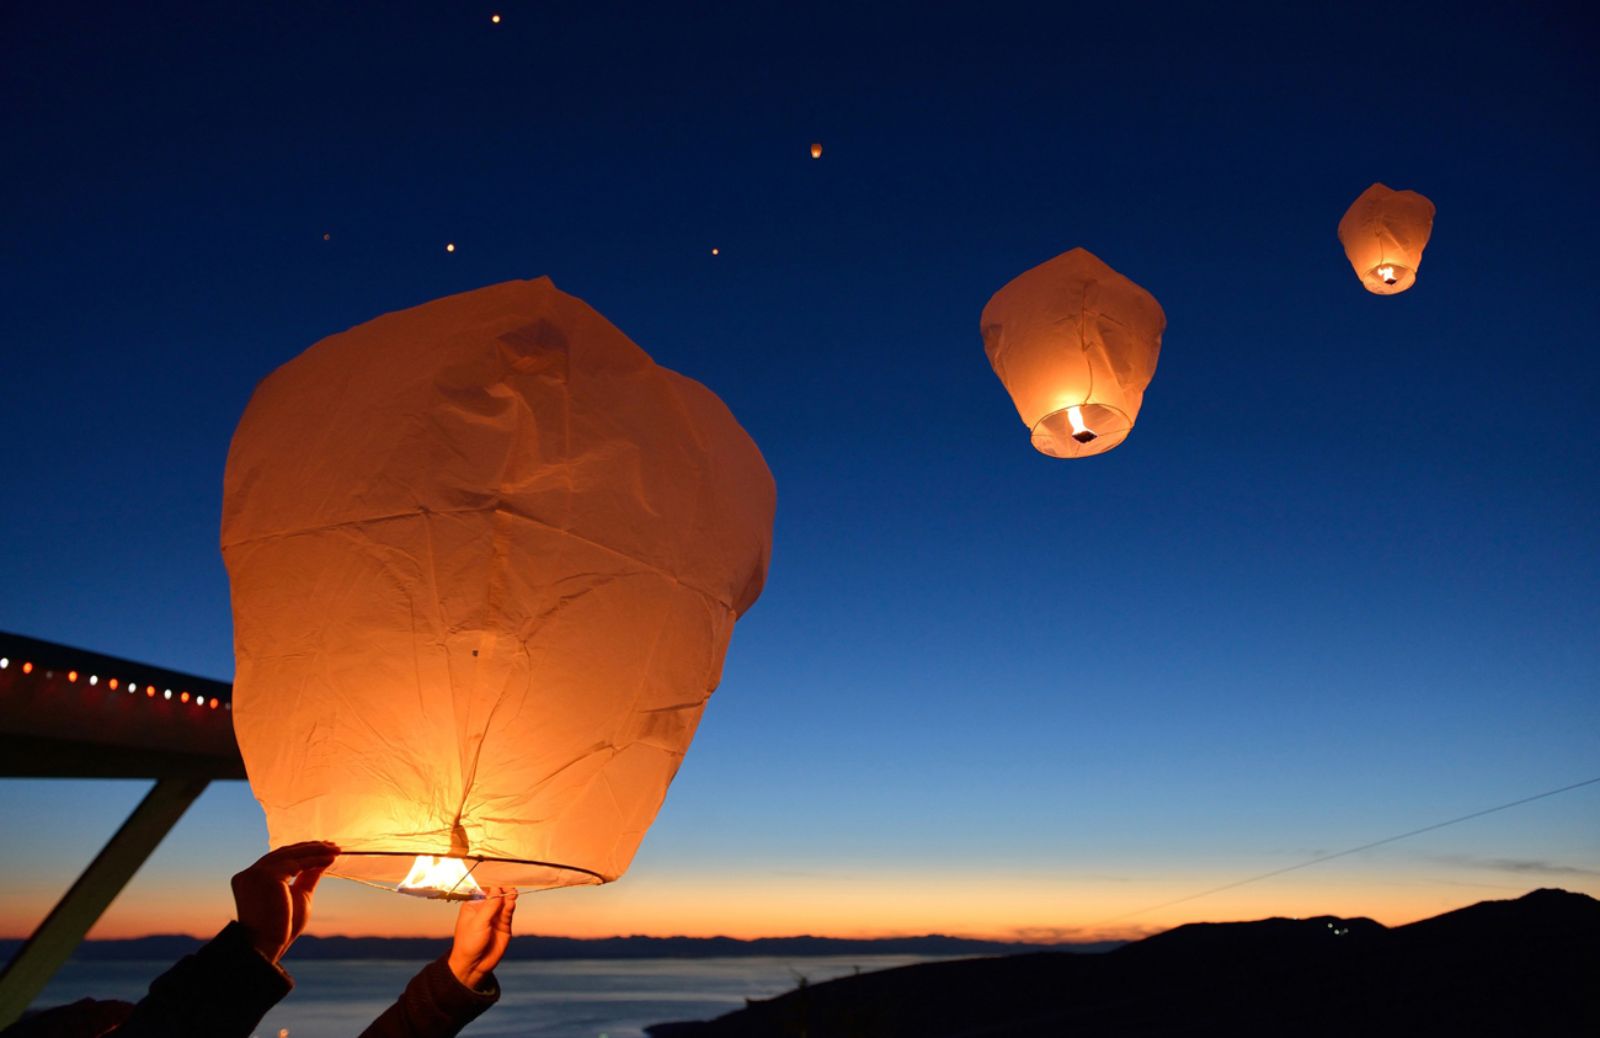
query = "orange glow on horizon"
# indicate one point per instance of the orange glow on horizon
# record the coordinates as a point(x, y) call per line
point(1017, 908)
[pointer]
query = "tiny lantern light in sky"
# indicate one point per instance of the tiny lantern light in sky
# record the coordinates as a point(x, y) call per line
point(1383, 233)
point(486, 557)
point(495, 18)
point(816, 149)
point(1075, 344)
point(450, 247)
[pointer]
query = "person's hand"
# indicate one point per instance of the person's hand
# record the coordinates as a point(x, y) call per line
point(273, 896)
point(483, 930)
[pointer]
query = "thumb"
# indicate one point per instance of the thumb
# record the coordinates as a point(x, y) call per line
point(507, 909)
point(300, 891)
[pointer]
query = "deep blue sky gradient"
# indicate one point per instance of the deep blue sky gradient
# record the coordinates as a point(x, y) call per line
point(1340, 581)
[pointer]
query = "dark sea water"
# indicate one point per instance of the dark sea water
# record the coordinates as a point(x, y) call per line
point(583, 998)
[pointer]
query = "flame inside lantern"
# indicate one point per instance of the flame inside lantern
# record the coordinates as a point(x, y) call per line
point(1387, 273)
point(1080, 432)
point(446, 879)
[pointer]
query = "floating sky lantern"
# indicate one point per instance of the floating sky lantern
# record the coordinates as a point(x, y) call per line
point(1383, 233)
point(816, 149)
point(486, 557)
point(1075, 344)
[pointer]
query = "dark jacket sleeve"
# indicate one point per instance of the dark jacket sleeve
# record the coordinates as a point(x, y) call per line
point(434, 1005)
point(221, 991)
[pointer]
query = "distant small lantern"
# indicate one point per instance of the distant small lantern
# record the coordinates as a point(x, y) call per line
point(1383, 233)
point(1075, 344)
point(816, 149)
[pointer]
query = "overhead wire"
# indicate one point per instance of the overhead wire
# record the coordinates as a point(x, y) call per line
point(1350, 850)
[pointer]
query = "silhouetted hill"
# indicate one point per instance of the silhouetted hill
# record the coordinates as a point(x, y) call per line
point(170, 948)
point(1523, 967)
point(1264, 937)
point(1553, 914)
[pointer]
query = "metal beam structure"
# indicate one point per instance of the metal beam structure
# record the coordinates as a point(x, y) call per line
point(71, 713)
point(58, 936)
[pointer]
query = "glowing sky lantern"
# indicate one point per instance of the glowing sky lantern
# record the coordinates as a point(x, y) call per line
point(816, 149)
point(486, 558)
point(1075, 344)
point(1383, 233)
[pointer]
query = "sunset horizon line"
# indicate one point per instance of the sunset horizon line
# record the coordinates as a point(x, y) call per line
point(789, 936)
point(1104, 930)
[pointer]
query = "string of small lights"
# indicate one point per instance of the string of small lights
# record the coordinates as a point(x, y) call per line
point(128, 686)
point(46, 662)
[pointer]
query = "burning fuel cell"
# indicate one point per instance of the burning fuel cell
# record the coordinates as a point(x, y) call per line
point(441, 879)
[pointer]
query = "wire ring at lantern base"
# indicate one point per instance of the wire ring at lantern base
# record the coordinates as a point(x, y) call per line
point(1400, 277)
point(1056, 435)
point(594, 878)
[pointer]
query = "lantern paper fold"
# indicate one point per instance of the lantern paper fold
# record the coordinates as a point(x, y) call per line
point(1075, 344)
point(486, 557)
point(1383, 233)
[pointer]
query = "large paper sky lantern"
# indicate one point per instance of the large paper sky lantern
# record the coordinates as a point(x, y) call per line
point(1383, 233)
point(1075, 344)
point(486, 557)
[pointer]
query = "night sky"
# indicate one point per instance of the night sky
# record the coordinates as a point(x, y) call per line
point(1341, 581)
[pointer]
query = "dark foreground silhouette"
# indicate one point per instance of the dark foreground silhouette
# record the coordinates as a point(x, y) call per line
point(1525, 967)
